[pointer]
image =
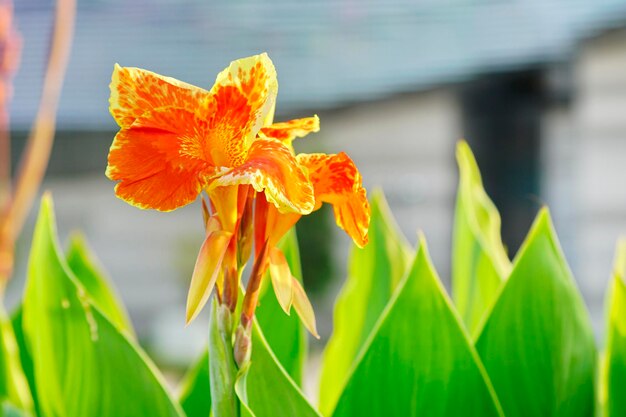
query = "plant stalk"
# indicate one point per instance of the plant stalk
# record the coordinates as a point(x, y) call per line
point(222, 367)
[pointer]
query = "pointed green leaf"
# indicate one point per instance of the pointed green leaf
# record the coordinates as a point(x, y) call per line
point(86, 268)
point(479, 261)
point(285, 334)
point(14, 388)
point(537, 343)
point(373, 274)
point(615, 357)
point(83, 365)
point(195, 395)
point(419, 361)
point(25, 358)
point(266, 388)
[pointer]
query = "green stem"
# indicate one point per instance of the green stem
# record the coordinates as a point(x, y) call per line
point(222, 367)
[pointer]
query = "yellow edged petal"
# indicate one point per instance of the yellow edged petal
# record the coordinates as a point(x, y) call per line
point(304, 308)
point(255, 77)
point(135, 91)
point(271, 167)
point(286, 132)
point(281, 279)
point(206, 271)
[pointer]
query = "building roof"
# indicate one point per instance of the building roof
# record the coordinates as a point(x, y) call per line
point(327, 53)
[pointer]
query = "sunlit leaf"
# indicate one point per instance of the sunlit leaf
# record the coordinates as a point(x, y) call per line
point(373, 274)
point(14, 388)
point(90, 273)
point(285, 334)
point(615, 355)
point(195, 393)
point(267, 389)
point(83, 365)
point(479, 261)
point(418, 361)
point(25, 358)
point(537, 344)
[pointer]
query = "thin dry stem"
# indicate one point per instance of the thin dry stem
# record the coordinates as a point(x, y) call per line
point(35, 158)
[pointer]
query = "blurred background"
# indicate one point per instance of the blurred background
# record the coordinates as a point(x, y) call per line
point(537, 87)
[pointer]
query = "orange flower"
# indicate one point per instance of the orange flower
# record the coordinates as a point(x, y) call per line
point(177, 139)
point(336, 180)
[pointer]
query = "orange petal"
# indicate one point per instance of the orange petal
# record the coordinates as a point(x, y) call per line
point(281, 279)
point(303, 307)
point(206, 271)
point(224, 199)
point(336, 180)
point(272, 168)
point(135, 91)
point(286, 132)
point(160, 160)
point(278, 224)
point(243, 97)
point(206, 214)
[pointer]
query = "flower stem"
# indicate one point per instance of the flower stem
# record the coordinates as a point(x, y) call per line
point(251, 297)
point(222, 367)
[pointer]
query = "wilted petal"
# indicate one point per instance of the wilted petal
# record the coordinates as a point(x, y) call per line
point(286, 132)
point(206, 271)
point(303, 307)
point(281, 279)
point(271, 168)
point(160, 161)
point(135, 91)
point(336, 180)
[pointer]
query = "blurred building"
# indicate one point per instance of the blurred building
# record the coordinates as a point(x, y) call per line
point(537, 87)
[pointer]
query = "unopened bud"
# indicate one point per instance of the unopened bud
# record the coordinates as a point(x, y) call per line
point(243, 345)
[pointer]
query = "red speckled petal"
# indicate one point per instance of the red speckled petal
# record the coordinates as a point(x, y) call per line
point(286, 132)
point(160, 160)
point(135, 91)
point(242, 97)
point(272, 168)
point(336, 180)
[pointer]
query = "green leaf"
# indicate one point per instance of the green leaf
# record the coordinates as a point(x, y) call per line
point(195, 395)
point(373, 274)
point(88, 271)
point(9, 410)
point(83, 365)
point(614, 372)
point(266, 388)
point(479, 261)
point(537, 344)
point(419, 361)
point(25, 358)
point(285, 334)
point(14, 388)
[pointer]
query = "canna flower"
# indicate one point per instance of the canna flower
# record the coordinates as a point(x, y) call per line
point(337, 181)
point(177, 141)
